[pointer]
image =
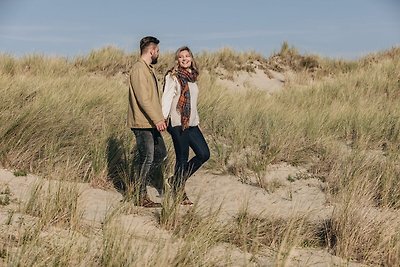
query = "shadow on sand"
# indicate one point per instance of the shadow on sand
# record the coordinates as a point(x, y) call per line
point(120, 165)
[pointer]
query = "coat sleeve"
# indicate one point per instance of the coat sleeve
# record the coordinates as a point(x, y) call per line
point(144, 95)
point(168, 95)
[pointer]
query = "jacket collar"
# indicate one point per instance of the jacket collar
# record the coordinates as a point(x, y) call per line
point(149, 66)
point(151, 70)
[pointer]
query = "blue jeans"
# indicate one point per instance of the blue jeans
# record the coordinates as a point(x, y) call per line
point(150, 158)
point(193, 138)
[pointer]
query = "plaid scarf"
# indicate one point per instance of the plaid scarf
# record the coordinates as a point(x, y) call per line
point(183, 106)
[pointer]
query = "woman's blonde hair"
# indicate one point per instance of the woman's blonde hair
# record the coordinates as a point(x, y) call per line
point(180, 49)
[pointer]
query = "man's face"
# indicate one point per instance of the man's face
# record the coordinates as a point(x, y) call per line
point(154, 54)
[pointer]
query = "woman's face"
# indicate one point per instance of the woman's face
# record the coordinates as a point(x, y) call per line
point(184, 59)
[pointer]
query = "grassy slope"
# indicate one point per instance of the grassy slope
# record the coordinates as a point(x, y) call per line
point(341, 119)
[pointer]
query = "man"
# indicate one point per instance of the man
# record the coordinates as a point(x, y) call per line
point(146, 120)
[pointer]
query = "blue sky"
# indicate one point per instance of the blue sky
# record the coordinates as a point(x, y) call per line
point(340, 28)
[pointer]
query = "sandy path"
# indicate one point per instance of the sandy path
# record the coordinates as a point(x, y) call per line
point(211, 191)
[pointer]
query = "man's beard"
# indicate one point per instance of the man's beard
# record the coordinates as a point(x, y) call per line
point(154, 60)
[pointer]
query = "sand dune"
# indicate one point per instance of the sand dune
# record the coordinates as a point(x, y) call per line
point(210, 191)
point(269, 82)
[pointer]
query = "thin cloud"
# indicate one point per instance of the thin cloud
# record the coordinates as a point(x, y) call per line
point(234, 35)
point(24, 28)
point(39, 39)
point(41, 33)
point(42, 28)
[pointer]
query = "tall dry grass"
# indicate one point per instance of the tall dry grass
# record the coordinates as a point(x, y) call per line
point(50, 122)
point(65, 119)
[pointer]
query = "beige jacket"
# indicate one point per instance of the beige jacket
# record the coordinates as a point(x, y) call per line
point(144, 97)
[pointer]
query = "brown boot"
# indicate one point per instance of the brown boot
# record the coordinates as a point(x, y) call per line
point(146, 202)
point(185, 200)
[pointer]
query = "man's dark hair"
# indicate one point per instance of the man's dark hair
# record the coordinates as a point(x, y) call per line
point(146, 42)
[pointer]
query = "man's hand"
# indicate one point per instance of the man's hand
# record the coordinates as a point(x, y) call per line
point(161, 126)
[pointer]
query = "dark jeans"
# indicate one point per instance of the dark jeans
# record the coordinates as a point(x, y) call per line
point(193, 138)
point(149, 159)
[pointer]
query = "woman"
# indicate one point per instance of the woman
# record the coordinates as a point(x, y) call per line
point(179, 106)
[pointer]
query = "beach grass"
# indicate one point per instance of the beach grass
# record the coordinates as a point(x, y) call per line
point(64, 119)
